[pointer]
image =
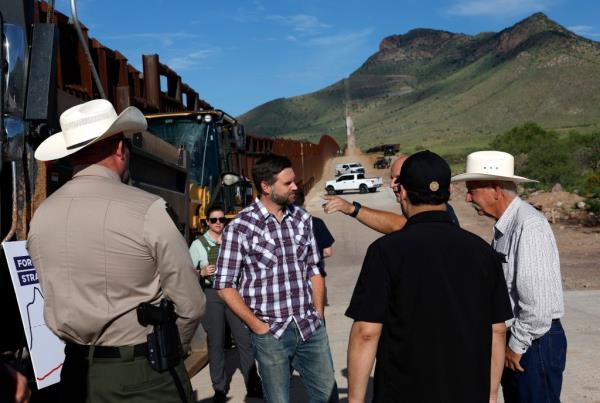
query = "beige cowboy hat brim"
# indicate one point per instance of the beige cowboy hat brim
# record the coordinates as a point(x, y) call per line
point(485, 177)
point(54, 147)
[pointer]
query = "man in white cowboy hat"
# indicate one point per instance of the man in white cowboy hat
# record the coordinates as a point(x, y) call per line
point(101, 248)
point(536, 350)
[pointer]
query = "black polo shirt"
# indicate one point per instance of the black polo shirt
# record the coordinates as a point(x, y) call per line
point(437, 289)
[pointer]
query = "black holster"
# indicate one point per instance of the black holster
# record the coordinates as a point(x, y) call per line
point(164, 344)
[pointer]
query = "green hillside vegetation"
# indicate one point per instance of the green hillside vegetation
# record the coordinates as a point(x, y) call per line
point(571, 159)
point(307, 116)
point(451, 92)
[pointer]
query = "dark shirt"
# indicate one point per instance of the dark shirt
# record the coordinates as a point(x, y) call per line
point(437, 289)
point(452, 214)
point(324, 240)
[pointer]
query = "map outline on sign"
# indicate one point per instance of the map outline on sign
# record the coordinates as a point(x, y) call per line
point(47, 354)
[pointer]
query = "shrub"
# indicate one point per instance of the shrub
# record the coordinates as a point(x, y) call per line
point(523, 139)
point(592, 184)
point(541, 154)
point(594, 205)
point(550, 163)
point(592, 188)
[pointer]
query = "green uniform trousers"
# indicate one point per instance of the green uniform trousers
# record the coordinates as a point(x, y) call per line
point(127, 379)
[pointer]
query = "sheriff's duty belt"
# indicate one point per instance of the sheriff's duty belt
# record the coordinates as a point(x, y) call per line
point(139, 350)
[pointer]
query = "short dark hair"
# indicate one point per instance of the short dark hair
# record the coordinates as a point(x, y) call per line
point(267, 168)
point(430, 198)
point(214, 207)
point(299, 197)
point(97, 151)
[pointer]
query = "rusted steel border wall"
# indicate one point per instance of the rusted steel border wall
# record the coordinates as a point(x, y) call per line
point(122, 83)
point(308, 159)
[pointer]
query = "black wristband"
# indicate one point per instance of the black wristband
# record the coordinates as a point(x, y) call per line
point(357, 207)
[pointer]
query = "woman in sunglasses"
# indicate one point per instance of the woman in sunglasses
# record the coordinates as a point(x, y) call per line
point(204, 252)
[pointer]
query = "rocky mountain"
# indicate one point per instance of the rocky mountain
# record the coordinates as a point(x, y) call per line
point(451, 91)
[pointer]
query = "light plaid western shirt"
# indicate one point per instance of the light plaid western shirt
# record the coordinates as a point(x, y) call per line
point(270, 264)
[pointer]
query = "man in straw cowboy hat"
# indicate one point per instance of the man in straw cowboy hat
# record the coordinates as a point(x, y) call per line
point(536, 350)
point(102, 248)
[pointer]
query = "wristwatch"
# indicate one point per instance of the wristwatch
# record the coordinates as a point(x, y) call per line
point(357, 207)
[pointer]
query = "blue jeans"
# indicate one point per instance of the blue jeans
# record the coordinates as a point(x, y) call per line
point(311, 358)
point(544, 363)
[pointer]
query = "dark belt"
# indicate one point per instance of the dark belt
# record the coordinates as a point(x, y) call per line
point(139, 350)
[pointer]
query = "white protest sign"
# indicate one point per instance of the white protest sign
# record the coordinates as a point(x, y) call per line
point(46, 350)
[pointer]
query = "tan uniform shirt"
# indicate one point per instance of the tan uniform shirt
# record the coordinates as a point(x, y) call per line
point(101, 248)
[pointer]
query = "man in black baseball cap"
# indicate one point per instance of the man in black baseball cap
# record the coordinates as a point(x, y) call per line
point(429, 304)
point(425, 177)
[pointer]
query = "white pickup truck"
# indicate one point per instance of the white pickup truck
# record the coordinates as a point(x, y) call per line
point(349, 168)
point(353, 182)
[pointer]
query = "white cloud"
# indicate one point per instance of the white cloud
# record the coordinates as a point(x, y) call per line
point(153, 35)
point(330, 58)
point(165, 38)
point(191, 59)
point(341, 38)
point(301, 23)
point(496, 8)
point(241, 16)
point(250, 12)
point(301, 75)
point(258, 5)
point(584, 30)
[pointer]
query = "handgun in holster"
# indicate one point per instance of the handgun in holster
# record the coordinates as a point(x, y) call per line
point(164, 344)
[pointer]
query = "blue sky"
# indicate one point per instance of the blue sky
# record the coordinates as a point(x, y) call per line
point(240, 54)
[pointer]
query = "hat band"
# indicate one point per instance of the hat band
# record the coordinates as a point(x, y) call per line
point(83, 143)
point(89, 120)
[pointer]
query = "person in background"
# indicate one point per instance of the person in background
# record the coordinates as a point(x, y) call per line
point(430, 303)
point(381, 221)
point(322, 235)
point(268, 274)
point(537, 345)
point(204, 252)
point(103, 248)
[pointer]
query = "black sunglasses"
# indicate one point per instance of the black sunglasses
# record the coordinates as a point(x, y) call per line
point(213, 220)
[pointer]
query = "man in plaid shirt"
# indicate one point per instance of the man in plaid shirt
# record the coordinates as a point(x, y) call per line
point(268, 275)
